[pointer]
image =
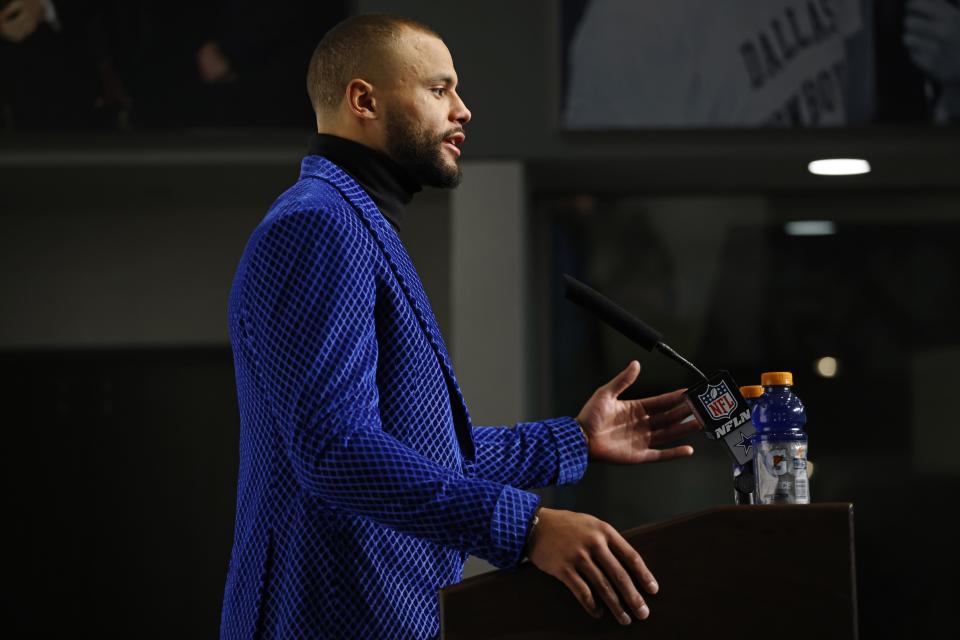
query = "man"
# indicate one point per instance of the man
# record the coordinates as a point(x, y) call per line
point(363, 485)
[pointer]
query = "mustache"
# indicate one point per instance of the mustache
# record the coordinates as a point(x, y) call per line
point(450, 133)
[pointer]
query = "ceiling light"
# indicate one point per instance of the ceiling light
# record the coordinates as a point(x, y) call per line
point(839, 167)
point(810, 228)
point(826, 367)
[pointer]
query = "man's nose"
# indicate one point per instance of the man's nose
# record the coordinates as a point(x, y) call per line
point(460, 112)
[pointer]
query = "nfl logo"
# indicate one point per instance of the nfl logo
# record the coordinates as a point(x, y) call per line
point(718, 400)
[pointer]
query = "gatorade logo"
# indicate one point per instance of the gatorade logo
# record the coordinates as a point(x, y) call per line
point(776, 461)
point(718, 400)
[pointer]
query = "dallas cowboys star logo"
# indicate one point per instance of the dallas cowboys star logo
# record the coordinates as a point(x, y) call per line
point(745, 443)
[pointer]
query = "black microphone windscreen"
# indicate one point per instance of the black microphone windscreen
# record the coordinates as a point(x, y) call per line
point(615, 316)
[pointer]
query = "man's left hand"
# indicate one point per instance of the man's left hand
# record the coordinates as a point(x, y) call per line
point(629, 431)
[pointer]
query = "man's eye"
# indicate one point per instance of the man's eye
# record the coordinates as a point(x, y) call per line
point(440, 91)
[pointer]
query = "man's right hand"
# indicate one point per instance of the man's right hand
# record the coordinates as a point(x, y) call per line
point(591, 557)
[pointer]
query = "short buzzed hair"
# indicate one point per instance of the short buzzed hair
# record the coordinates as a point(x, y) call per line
point(358, 47)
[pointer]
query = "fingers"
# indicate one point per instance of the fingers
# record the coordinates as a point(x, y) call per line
point(622, 381)
point(594, 562)
point(634, 562)
point(663, 402)
point(923, 47)
point(661, 455)
point(11, 10)
point(931, 10)
point(923, 28)
point(581, 592)
point(916, 42)
point(623, 581)
point(922, 52)
point(673, 432)
point(677, 414)
point(611, 569)
point(604, 589)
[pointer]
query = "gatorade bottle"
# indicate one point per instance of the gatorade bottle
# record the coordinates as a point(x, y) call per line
point(744, 492)
point(780, 443)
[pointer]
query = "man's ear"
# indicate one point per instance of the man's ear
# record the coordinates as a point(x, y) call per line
point(360, 99)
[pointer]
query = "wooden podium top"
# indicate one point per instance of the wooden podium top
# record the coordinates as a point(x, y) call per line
point(728, 572)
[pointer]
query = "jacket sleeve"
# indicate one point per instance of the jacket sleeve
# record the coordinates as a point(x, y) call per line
point(533, 454)
point(309, 289)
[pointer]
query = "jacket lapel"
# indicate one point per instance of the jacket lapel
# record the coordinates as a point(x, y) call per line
point(403, 269)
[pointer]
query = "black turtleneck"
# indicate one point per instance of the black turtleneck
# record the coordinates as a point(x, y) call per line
point(390, 186)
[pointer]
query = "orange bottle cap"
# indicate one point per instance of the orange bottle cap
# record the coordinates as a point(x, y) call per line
point(751, 391)
point(776, 378)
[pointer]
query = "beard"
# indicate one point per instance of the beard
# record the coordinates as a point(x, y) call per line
point(421, 153)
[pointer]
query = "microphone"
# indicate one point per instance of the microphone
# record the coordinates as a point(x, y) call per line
point(624, 322)
point(716, 400)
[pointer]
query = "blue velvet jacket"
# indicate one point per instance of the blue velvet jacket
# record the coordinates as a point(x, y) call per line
point(363, 485)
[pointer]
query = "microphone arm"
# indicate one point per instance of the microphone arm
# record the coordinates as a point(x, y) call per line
point(623, 321)
point(668, 351)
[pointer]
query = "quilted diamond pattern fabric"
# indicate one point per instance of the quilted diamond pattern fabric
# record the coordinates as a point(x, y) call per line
point(363, 485)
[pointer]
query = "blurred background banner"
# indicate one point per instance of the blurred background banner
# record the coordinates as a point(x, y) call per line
point(756, 63)
point(657, 151)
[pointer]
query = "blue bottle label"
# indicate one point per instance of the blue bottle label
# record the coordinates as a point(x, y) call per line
point(781, 472)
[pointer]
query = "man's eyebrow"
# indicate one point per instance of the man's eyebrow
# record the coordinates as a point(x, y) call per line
point(445, 79)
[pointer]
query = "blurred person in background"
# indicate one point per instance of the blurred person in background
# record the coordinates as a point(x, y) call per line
point(49, 71)
point(233, 63)
point(20, 18)
point(932, 37)
point(115, 64)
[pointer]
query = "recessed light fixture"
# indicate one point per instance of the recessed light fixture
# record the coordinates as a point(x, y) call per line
point(810, 228)
point(826, 367)
point(839, 167)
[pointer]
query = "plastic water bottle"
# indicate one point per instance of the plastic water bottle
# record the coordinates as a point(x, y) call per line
point(780, 443)
point(742, 494)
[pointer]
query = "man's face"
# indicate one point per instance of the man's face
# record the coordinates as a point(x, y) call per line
point(424, 116)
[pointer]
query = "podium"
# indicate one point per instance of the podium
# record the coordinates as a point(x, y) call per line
point(779, 571)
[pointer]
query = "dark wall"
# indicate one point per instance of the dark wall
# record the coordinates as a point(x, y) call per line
point(120, 465)
point(137, 246)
